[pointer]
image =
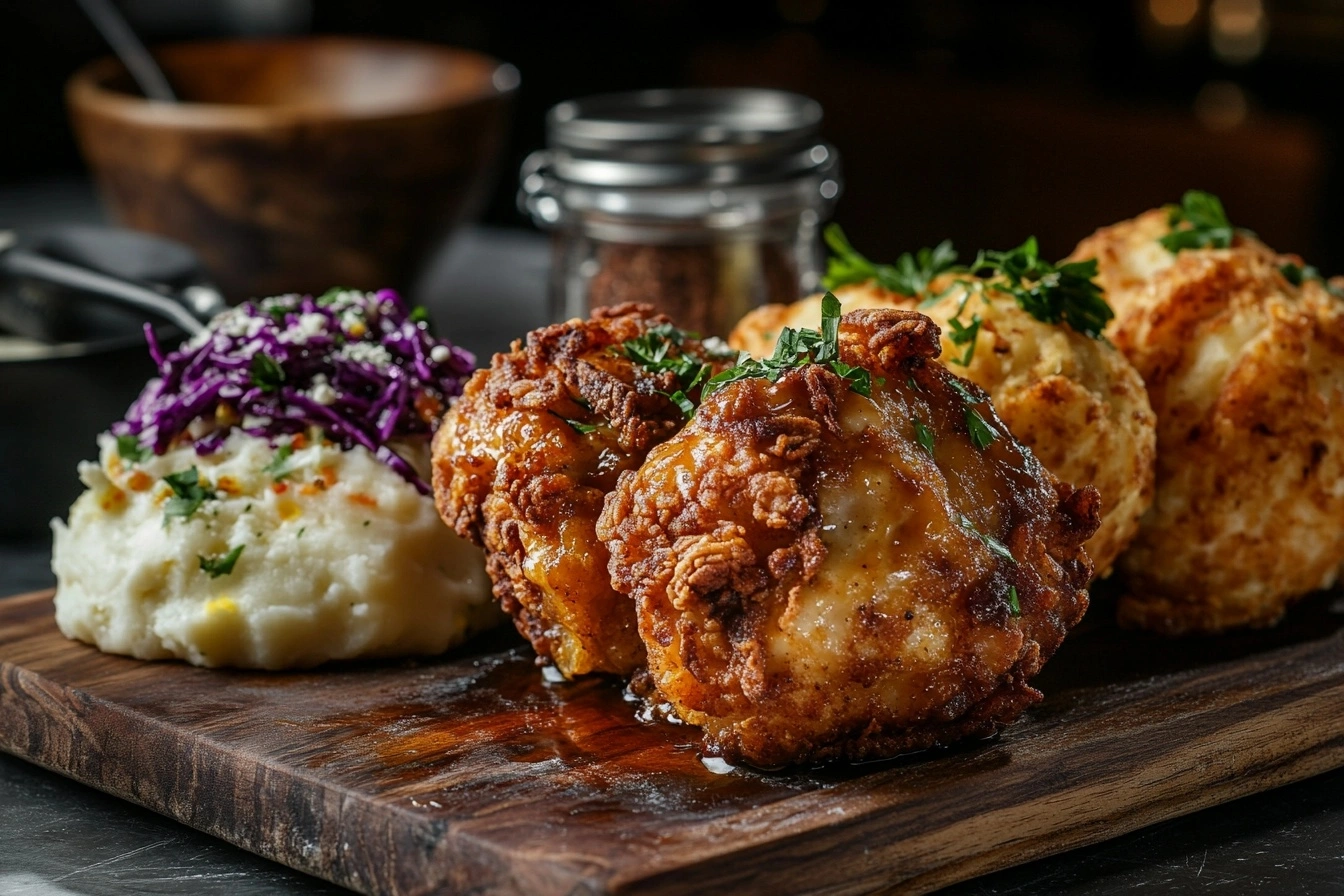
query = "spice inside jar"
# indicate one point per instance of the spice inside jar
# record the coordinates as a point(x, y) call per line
point(704, 203)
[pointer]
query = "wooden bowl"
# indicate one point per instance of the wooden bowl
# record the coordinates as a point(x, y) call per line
point(295, 165)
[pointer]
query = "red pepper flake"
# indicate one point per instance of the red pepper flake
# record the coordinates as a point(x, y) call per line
point(363, 499)
point(279, 487)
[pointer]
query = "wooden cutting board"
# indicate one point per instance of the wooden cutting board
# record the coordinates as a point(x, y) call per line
point(468, 773)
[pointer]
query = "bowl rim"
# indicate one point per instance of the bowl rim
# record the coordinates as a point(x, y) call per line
point(86, 90)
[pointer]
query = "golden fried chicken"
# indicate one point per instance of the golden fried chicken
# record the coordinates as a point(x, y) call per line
point(1243, 358)
point(526, 456)
point(1074, 401)
point(823, 574)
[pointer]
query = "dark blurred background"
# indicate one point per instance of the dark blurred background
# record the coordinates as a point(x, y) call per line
point(976, 119)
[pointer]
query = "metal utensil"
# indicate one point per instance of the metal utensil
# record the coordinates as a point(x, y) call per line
point(114, 28)
point(46, 282)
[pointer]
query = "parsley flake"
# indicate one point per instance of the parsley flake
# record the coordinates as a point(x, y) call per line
point(277, 468)
point(130, 449)
point(924, 436)
point(188, 494)
point(267, 374)
point(996, 547)
point(220, 566)
point(1297, 274)
point(578, 426)
point(1014, 607)
point(964, 335)
point(981, 433)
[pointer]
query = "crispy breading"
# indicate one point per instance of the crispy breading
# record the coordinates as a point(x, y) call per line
point(1245, 371)
point(523, 462)
point(1075, 401)
point(813, 583)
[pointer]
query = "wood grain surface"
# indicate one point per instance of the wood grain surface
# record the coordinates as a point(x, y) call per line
point(468, 773)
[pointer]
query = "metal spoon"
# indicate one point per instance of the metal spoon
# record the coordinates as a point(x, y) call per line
point(114, 28)
point(43, 284)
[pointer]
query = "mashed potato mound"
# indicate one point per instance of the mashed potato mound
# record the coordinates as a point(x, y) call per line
point(1245, 370)
point(341, 558)
point(1075, 401)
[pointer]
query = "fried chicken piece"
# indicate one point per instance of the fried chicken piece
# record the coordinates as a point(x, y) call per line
point(524, 459)
point(1074, 401)
point(821, 574)
point(1246, 373)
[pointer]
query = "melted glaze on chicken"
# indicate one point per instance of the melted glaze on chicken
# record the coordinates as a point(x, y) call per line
point(526, 456)
point(822, 574)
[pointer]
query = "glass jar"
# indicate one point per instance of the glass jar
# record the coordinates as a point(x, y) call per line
point(702, 202)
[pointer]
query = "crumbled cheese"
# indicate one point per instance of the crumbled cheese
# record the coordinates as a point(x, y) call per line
point(323, 394)
point(366, 352)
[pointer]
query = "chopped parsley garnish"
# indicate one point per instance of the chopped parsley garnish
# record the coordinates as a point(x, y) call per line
point(909, 276)
point(679, 399)
point(996, 547)
point(1297, 274)
point(188, 494)
point(267, 374)
point(130, 449)
point(1014, 607)
point(1048, 292)
point(220, 566)
point(1051, 293)
point(419, 314)
point(1198, 222)
point(981, 433)
point(924, 436)
point(964, 335)
point(797, 348)
point(578, 426)
point(331, 295)
point(277, 468)
point(659, 349)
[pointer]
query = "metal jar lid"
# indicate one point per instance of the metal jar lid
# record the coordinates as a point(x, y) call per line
point(718, 158)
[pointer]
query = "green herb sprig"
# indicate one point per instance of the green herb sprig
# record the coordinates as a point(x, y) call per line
point(1297, 274)
point(996, 547)
point(661, 348)
point(796, 348)
point(130, 449)
point(188, 494)
point(1197, 222)
point(981, 433)
point(222, 565)
point(1014, 605)
point(909, 276)
point(266, 372)
point(1051, 293)
point(279, 468)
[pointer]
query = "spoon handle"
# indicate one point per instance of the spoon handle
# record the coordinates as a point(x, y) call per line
point(129, 49)
point(23, 263)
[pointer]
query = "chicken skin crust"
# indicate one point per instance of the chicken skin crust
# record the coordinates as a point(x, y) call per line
point(523, 461)
point(1246, 373)
point(1076, 402)
point(816, 580)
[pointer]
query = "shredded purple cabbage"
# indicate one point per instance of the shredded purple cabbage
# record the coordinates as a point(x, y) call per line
point(362, 367)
